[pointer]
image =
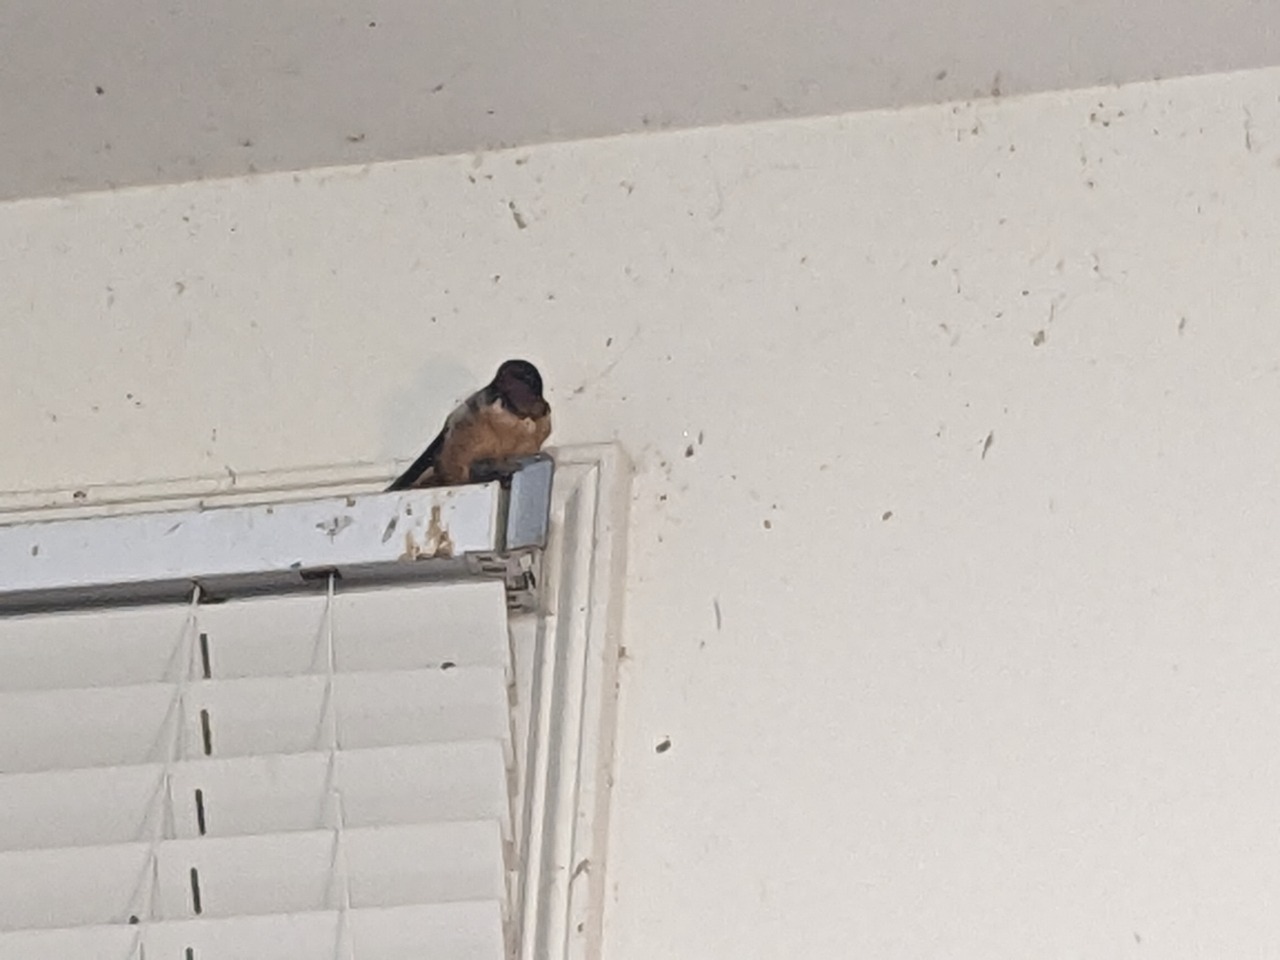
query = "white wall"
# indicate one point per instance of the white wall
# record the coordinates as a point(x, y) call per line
point(922, 703)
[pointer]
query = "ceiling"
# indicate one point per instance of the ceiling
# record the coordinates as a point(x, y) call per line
point(96, 95)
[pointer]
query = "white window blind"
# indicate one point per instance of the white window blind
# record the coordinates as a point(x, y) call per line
point(316, 775)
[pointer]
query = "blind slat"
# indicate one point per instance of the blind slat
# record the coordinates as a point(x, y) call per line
point(104, 648)
point(125, 726)
point(408, 628)
point(91, 807)
point(72, 886)
point(385, 785)
point(251, 875)
point(454, 931)
point(285, 872)
point(80, 943)
point(107, 727)
point(259, 794)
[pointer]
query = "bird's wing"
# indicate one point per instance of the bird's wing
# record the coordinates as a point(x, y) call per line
point(431, 456)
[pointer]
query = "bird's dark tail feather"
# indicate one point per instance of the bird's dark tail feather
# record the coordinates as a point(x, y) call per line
point(425, 461)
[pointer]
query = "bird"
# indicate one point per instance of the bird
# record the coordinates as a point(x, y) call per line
point(504, 420)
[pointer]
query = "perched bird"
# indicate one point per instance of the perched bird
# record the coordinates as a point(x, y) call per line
point(499, 423)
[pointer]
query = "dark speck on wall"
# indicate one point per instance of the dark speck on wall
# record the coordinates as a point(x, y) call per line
point(888, 514)
point(768, 524)
point(98, 90)
point(688, 451)
point(663, 745)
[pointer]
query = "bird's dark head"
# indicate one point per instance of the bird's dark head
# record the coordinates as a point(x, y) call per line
point(519, 386)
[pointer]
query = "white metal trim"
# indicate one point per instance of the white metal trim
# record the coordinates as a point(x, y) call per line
point(566, 815)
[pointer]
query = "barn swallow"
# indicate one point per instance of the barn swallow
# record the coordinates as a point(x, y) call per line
point(499, 423)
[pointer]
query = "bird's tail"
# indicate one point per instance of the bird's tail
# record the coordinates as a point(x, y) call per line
point(426, 460)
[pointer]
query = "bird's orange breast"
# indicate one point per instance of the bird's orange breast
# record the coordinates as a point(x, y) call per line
point(493, 433)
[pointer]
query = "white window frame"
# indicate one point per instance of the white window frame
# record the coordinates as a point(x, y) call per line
point(563, 826)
